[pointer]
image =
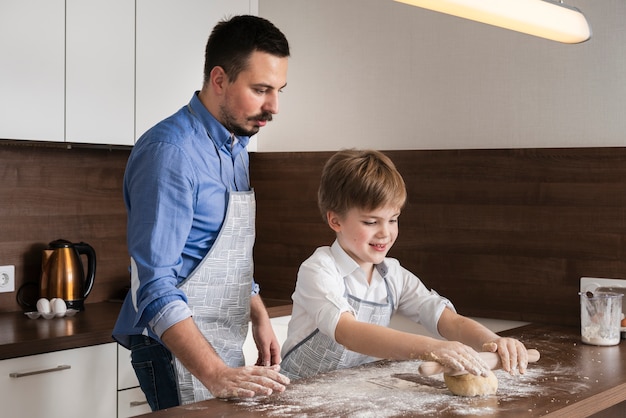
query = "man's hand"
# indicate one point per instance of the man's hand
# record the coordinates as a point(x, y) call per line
point(248, 381)
point(267, 345)
point(187, 343)
point(264, 337)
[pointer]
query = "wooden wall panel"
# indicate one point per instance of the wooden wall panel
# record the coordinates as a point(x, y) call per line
point(49, 192)
point(289, 224)
point(502, 233)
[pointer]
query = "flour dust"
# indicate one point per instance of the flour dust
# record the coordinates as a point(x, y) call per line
point(395, 389)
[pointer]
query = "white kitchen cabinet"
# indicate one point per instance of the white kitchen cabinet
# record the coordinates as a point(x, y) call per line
point(32, 72)
point(171, 39)
point(130, 399)
point(67, 70)
point(131, 402)
point(100, 71)
point(70, 383)
point(126, 377)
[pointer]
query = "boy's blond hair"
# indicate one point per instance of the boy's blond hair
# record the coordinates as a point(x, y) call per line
point(363, 179)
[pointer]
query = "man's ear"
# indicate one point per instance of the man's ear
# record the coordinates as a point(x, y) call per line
point(333, 220)
point(218, 78)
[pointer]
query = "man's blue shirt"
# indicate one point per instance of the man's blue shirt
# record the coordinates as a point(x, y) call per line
point(176, 187)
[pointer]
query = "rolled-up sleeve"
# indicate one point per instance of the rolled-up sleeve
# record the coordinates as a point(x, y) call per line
point(321, 292)
point(160, 216)
point(170, 315)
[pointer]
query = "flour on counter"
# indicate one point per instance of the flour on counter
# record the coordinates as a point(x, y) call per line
point(376, 392)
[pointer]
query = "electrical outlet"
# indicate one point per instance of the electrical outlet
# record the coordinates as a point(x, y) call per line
point(7, 279)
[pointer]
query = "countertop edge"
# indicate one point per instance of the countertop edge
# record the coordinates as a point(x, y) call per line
point(20, 336)
point(594, 404)
point(27, 348)
point(560, 346)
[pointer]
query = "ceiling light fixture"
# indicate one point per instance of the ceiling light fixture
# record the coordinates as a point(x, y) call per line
point(542, 18)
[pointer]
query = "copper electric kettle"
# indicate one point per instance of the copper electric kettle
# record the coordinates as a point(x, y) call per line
point(62, 273)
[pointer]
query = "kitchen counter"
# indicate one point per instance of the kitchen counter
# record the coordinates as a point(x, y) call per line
point(570, 380)
point(21, 336)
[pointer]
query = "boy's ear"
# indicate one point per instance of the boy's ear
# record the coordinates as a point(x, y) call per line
point(333, 221)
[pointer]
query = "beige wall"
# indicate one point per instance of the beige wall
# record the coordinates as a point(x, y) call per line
point(376, 73)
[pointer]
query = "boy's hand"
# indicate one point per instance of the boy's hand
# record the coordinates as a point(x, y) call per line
point(512, 353)
point(458, 357)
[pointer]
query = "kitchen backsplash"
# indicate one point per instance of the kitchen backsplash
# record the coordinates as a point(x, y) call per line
point(51, 191)
point(504, 234)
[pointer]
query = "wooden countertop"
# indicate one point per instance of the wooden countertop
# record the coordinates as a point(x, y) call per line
point(21, 336)
point(570, 380)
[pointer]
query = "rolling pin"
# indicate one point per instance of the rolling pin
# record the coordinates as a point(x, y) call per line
point(429, 368)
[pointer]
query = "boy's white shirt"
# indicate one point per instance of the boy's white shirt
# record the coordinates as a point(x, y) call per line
point(320, 295)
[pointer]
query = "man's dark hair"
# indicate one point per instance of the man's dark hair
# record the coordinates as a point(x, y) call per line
point(233, 41)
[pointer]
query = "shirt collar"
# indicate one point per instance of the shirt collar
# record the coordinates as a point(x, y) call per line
point(217, 132)
point(347, 265)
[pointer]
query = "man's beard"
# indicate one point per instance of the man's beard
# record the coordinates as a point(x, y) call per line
point(231, 124)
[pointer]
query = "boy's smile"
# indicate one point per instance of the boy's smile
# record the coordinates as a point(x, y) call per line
point(367, 236)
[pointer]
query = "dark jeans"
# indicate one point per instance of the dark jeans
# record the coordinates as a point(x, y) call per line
point(154, 367)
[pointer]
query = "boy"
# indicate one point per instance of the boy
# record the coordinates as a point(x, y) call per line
point(346, 294)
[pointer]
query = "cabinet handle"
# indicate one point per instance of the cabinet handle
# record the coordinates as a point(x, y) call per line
point(138, 403)
point(54, 369)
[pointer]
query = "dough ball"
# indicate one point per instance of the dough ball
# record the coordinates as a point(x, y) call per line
point(472, 385)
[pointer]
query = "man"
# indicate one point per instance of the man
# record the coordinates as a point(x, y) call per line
point(191, 230)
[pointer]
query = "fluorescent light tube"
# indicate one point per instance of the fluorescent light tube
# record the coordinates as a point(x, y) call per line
point(542, 18)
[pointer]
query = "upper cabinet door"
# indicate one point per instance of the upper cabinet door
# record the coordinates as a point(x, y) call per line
point(100, 66)
point(171, 38)
point(32, 42)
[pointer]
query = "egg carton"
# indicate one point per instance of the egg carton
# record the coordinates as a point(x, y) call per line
point(35, 314)
point(53, 308)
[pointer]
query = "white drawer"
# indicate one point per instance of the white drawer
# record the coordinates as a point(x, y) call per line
point(65, 384)
point(131, 402)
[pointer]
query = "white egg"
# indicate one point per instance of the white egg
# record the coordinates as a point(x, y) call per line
point(52, 303)
point(58, 307)
point(43, 306)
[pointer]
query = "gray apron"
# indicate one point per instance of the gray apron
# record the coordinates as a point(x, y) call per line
point(218, 292)
point(318, 353)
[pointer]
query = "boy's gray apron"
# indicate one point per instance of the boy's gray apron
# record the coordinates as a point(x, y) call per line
point(218, 292)
point(318, 353)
